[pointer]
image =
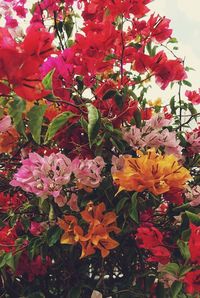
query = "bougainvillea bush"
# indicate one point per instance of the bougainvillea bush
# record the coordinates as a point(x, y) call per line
point(99, 183)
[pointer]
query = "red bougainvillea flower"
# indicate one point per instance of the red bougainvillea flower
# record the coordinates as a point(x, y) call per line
point(160, 254)
point(151, 238)
point(174, 196)
point(148, 237)
point(194, 244)
point(192, 281)
point(7, 239)
point(193, 96)
point(20, 62)
point(32, 268)
point(10, 202)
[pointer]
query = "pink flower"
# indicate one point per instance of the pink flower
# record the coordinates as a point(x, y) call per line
point(73, 202)
point(152, 134)
point(43, 176)
point(36, 228)
point(193, 195)
point(193, 138)
point(5, 123)
point(193, 96)
point(88, 172)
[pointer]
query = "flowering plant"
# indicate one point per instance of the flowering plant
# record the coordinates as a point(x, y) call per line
point(99, 184)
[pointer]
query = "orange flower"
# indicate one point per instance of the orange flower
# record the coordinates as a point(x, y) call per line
point(73, 231)
point(97, 236)
point(152, 171)
point(100, 226)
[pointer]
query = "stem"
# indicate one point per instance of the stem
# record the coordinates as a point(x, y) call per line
point(57, 32)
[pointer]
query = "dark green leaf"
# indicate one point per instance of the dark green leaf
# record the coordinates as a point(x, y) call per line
point(69, 25)
point(94, 122)
point(119, 99)
point(133, 213)
point(138, 118)
point(53, 235)
point(109, 94)
point(187, 83)
point(58, 122)
point(172, 105)
point(121, 204)
point(35, 116)
point(119, 145)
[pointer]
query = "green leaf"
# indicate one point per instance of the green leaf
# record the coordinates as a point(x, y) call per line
point(187, 83)
point(110, 93)
point(10, 260)
point(184, 270)
point(53, 235)
point(119, 99)
point(84, 124)
point(172, 40)
point(35, 116)
point(172, 268)
point(192, 109)
point(172, 105)
point(121, 204)
point(94, 122)
point(2, 260)
point(15, 110)
point(194, 218)
point(58, 122)
point(176, 288)
point(119, 145)
point(184, 249)
point(47, 81)
point(133, 213)
point(138, 118)
point(69, 25)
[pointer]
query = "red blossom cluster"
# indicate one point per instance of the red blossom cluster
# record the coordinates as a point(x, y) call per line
point(152, 239)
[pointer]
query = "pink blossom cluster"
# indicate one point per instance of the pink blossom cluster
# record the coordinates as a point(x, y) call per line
point(193, 138)
point(45, 176)
point(88, 171)
point(193, 195)
point(152, 134)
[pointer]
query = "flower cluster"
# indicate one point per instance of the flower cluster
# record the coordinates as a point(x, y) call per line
point(152, 171)
point(152, 134)
point(45, 176)
point(97, 236)
point(152, 239)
